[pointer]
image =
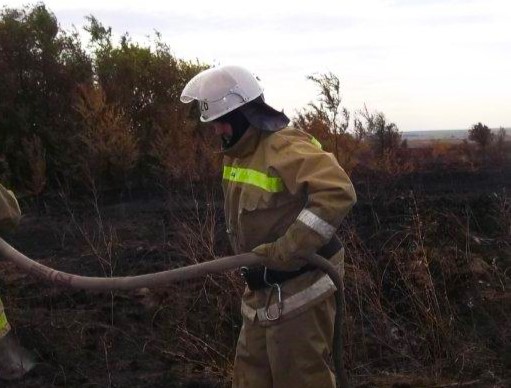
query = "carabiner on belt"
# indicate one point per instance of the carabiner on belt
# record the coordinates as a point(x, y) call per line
point(280, 304)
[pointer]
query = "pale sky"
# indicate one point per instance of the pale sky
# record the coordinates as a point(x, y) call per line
point(427, 64)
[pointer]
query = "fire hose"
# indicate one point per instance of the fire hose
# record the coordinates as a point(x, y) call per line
point(163, 278)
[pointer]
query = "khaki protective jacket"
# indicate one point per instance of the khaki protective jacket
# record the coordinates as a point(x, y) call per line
point(284, 199)
point(9, 217)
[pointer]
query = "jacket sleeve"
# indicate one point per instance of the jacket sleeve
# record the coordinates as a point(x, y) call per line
point(10, 213)
point(307, 170)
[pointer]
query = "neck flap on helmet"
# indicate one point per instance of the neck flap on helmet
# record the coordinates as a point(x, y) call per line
point(262, 116)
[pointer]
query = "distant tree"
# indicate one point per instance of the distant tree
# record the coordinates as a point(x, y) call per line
point(326, 117)
point(384, 136)
point(35, 162)
point(481, 134)
point(500, 145)
point(146, 83)
point(116, 99)
point(40, 66)
point(108, 147)
point(501, 137)
point(387, 134)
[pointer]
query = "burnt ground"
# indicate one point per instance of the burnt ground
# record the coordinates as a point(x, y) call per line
point(136, 339)
point(184, 335)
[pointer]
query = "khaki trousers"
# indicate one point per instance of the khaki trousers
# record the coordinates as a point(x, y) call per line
point(295, 353)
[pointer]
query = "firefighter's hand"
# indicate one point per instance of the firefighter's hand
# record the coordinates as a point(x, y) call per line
point(273, 258)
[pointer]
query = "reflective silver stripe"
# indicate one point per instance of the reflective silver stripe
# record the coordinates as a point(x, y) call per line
point(299, 301)
point(317, 224)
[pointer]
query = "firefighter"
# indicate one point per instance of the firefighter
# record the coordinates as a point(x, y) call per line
point(284, 199)
point(15, 361)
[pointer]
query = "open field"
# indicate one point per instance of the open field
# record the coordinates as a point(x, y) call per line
point(420, 139)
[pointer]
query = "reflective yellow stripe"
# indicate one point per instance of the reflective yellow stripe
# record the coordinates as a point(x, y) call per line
point(3, 322)
point(316, 143)
point(253, 177)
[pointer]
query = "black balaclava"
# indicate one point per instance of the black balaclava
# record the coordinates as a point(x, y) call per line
point(239, 124)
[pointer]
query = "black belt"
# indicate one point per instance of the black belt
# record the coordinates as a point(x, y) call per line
point(254, 276)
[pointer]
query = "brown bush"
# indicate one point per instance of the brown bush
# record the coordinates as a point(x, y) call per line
point(35, 157)
point(108, 146)
point(181, 150)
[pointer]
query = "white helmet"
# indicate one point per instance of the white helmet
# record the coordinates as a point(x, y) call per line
point(220, 90)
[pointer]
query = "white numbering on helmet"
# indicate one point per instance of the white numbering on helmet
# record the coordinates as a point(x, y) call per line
point(220, 90)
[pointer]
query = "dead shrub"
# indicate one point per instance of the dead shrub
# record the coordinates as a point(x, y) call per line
point(181, 150)
point(35, 156)
point(208, 340)
point(423, 290)
point(108, 145)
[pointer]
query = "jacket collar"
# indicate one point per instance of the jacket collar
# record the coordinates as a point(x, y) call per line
point(246, 145)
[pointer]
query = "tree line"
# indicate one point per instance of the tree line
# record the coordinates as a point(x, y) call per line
point(107, 115)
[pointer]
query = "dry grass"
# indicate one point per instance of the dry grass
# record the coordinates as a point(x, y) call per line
point(420, 301)
point(424, 300)
point(427, 286)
